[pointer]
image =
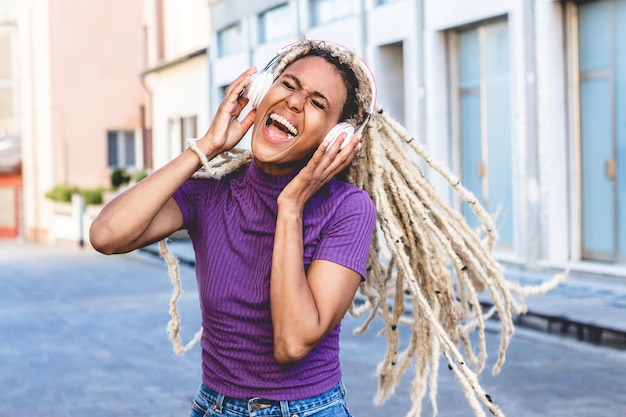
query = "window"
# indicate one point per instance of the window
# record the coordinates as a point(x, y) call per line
point(121, 148)
point(230, 40)
point(484, 115)
point(602, 94)
point(188, 129)
point(275, 23)
point(323, 11)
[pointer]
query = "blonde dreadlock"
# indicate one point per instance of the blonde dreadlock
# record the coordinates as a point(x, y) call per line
point(429, 257)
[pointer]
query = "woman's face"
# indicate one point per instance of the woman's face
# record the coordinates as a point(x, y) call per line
point(302, 105)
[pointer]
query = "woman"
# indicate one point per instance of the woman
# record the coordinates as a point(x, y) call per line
point(281, 246)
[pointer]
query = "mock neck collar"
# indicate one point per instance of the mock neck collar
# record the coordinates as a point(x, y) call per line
point(268, 182)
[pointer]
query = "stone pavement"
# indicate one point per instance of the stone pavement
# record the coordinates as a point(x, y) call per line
point(588, 308)
point(83, 334)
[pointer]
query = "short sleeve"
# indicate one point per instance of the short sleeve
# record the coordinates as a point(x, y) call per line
point(192, 195)
point(348, 237)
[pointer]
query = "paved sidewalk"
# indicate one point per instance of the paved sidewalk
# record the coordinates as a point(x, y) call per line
point(588, 308)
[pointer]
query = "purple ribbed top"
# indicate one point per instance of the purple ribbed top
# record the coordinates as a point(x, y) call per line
point(231, 223)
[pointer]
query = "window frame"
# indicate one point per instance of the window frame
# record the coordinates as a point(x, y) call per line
point(331, 9)
point(121, 148)
point(230, 40)
point(275, 12)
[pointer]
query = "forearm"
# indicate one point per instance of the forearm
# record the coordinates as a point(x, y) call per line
point(128, 221)
point(295, 316)
point(306, 306)
point(147, 212)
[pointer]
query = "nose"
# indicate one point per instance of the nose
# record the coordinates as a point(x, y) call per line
point(296, 100)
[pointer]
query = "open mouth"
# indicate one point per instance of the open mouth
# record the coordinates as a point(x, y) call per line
point(280, 127)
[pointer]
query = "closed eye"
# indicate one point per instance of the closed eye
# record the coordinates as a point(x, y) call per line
point(292, 83)
point(318, 104)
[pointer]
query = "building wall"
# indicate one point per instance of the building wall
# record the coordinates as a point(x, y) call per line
point(10, 149)
point(179, 91)
point(37, 163)
point(553, 138)
point(79, 64)
point(8, 78)
point(95, 56)
point(176, 83)
point(81, 76)
point(413, 49)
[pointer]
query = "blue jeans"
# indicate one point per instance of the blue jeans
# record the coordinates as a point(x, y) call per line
point(209, 403)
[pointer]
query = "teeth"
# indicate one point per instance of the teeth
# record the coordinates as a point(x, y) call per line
point(280, 119)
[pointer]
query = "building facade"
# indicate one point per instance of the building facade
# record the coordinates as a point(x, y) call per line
point(175, 73)
point(523, 99)
point(80, 99)
point(10, 147)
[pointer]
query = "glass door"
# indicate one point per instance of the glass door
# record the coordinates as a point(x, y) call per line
point(602, 89)
point(485, 125)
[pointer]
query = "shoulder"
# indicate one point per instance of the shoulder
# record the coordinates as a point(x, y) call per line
point(201, 191)
point(346, 194)
point(347, 201)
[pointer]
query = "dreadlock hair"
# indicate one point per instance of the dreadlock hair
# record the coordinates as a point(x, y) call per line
point(423, 252)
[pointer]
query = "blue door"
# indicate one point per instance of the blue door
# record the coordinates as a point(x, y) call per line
point(602, 74)
point(485, 125)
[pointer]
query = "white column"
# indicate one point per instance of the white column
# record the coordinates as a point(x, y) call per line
point(552, 132)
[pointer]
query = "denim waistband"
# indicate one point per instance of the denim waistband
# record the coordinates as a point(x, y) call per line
point(264, 407)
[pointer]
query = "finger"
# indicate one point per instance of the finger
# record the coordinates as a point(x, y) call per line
point(242, 99)
point(355, 142)
point(238, 85)
point(348, 145)
point(248, 120)
point(346, 154)
point(335, 147)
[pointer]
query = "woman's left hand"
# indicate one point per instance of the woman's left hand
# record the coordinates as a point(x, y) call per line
point(327, 161)
point(307, 304)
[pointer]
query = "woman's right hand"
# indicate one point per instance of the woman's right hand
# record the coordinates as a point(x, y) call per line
point(147, 211)
point(226, 130)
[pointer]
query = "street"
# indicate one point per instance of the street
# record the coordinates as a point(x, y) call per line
point(83, 334)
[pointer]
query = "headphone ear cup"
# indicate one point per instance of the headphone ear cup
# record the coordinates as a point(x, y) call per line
point(259, 86)
point(337, 130)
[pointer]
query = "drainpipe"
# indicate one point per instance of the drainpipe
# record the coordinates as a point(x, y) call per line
point(147, 141)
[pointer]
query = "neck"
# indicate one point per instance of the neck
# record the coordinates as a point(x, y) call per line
point(284, 168)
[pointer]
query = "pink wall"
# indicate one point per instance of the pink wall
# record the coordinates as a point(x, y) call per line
point(96, 61)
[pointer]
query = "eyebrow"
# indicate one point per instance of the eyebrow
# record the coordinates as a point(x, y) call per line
point(317, 94)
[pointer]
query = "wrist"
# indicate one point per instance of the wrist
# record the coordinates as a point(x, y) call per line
point(201, 150)
point(289, 208)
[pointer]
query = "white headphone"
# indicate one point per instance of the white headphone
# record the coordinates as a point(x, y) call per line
point(262, 82)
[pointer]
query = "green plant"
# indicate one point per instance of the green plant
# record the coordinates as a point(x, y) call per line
point(92, 196)
point(119, 176)
point(61, 193)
